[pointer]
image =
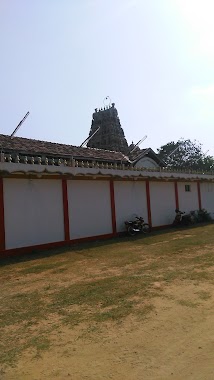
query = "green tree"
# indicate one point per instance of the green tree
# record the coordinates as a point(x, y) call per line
point(185, 154)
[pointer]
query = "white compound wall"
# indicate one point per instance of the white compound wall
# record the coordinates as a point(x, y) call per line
point(34, 208)
point(130, 200)
point(188, 200)
point(162, 200)
point(89, 205)
point(207, 197)
point(33, 212)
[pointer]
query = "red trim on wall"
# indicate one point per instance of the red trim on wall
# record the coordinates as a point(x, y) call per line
point(148, 202)
point(199, 195)
point(40, 247)
point(176, 195)
point(30, 249)
point(113, 211)
point(2, 227)
point(65, 210)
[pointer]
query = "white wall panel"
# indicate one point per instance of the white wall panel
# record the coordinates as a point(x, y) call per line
point(188, 200)
point(89, 206)
point(130, 200)
point(33, 212)
point(162, 199)
point(207, 197)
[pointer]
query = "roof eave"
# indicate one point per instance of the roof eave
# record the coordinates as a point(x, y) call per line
point(149, 152)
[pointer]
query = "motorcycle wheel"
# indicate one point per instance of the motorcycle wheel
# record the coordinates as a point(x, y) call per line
point(131, 231)
point(146, 228)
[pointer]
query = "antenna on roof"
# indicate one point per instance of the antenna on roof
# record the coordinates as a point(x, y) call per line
point(142, 154)
point(19, 125)
point(173, 151)
point(89, 138)
point(138, 143)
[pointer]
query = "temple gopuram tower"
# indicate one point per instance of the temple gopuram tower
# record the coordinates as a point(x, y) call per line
point(110, 135)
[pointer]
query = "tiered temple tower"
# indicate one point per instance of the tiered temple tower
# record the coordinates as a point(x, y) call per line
point(110, 135)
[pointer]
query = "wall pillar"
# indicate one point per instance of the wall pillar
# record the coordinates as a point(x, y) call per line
point(199, 195)
point(113, 212)
point(65, 210)
point(2, 226)
point(148, 202)
point(176, 195)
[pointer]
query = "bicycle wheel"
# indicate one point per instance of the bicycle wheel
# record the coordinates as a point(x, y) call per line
point(146, 228)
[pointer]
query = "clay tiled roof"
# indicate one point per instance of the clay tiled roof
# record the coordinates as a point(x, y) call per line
point(20, 145)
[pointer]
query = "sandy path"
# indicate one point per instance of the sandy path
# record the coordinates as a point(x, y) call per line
point(174, 342)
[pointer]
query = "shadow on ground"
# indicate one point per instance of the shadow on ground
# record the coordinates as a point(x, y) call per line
point(78, 247)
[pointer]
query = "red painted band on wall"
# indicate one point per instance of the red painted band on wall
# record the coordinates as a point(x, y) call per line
point(41, 247)
point(199, 195)
point(65, 210)
point(148, 202)
point(113, 212)
point(176, 196)
point(2, 226)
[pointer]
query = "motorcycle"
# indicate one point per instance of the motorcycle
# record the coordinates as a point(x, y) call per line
point(183, 219)
point(138, 225)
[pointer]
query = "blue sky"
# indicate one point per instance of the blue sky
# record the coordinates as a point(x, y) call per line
point(154, 58)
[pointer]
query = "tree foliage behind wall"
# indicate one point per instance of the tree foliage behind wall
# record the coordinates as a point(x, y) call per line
point(185, 154)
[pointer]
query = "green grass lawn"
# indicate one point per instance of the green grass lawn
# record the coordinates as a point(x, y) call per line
point(91, 284)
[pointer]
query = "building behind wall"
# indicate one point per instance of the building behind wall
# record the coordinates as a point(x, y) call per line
point(110, 135)
point(56, 194)
point(106, 133)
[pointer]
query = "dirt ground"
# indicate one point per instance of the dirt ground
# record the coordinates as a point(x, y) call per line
point(174, 341)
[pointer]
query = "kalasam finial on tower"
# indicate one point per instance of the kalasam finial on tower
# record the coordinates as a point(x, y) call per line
point(107, 101)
